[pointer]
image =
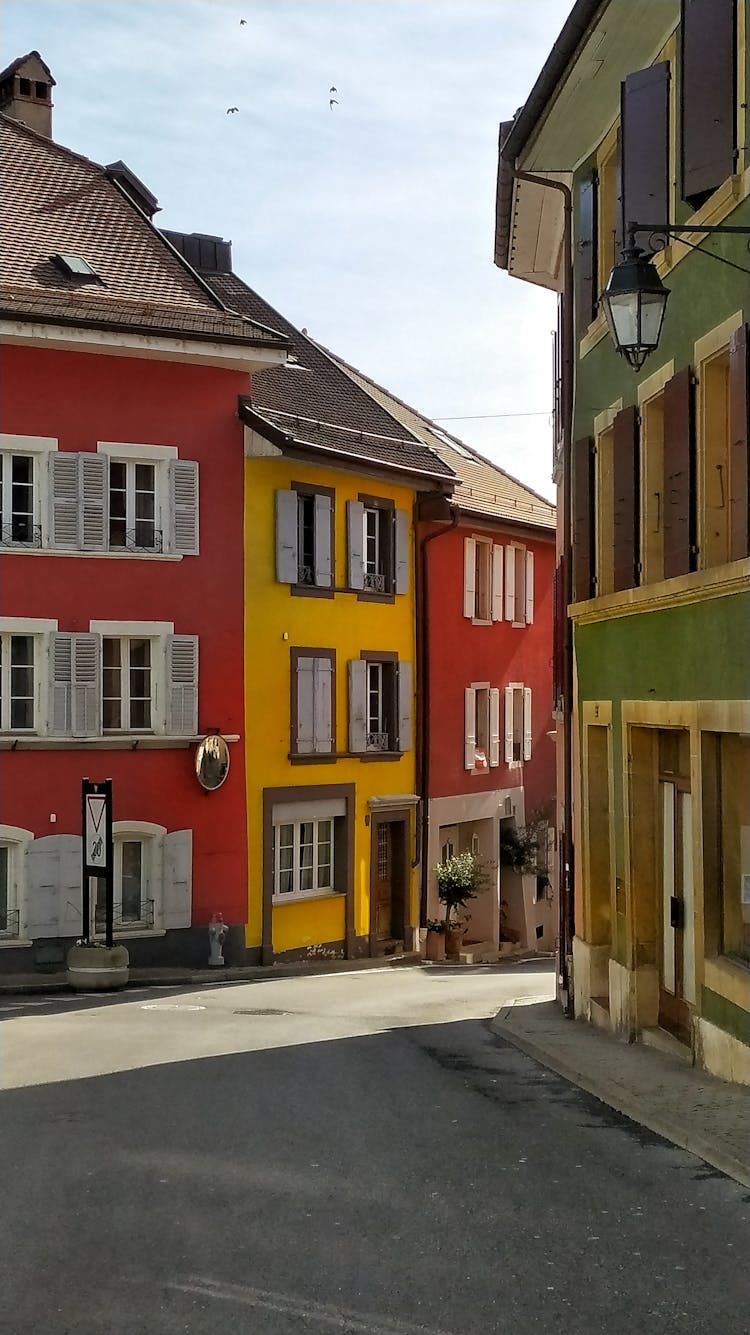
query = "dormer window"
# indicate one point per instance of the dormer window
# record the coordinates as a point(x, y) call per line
point(74, 266)
point(41, 90)
point(24, 87)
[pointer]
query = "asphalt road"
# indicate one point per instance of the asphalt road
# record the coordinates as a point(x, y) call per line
point(353, 1153)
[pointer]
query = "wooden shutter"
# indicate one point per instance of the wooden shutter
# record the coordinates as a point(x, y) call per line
point(583, 518)
point(357, 705)
point(510, 584)
point(739, 434)
point(586, 275)
point(323, 705)
point(405, 693)
point(625, 487)
point(182, 685)
point(401, 534)
point(470, 727)
point(323, 542)
point(61, 677)
point(287, 562)
point(679, 481)
point(64, 500)
point(177, 883)
point(497, 582)
point(494, 726)
point(305, 688)
point(86, 685)
point(645, 151)
point(470, 574)
point(70, 898)
point(529, 609)
point(183, 505)
point(508, 725)
point(527, 723)
point(708, 96)
point(94, 494)
point(43, 877)
point(355, 529)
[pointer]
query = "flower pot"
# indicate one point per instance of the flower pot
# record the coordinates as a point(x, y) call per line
point(435, 948)
point(97, 968)
point(453, 942)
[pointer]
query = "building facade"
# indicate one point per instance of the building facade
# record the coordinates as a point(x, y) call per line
point(653, 471)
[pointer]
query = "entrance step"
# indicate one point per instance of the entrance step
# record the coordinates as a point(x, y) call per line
point(599, 1013)
point(478, 952)
point(389, 947)
point(663, 1041)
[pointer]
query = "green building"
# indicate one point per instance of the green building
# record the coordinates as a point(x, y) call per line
point(640, 115)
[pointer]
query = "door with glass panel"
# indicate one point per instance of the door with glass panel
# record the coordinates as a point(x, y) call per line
point(677, 972)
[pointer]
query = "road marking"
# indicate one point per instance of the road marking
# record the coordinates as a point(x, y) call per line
point(169, 1006)
point(342, 1319)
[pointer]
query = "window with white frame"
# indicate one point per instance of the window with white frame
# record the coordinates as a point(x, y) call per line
point(17, 500)
point(378, 552)
point(17, 683)
point(8, 906)
point(519, 585)
point(481, 727)
point(517, 723)
point(127, 684)
point(380, 704)
point(132, 506)
point(483, 580)
point(303, 861)
point(152, 879)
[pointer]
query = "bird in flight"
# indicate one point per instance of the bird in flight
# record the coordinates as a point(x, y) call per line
point(243, 23)
point(332, 103)
point(332, 89)
point(231, 110)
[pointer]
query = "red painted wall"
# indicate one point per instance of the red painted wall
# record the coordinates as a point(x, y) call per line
point(460, 653)
point(81, 399)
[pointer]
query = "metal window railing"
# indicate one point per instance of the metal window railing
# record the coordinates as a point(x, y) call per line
point(24, 535)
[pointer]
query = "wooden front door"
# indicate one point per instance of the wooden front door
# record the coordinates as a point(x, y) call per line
point(677, 972)
point(387, 883)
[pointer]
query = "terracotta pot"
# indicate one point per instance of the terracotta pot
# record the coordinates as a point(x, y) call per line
point(454, 941)
point(435, 947)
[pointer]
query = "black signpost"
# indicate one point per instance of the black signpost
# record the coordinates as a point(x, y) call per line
point(98, 859)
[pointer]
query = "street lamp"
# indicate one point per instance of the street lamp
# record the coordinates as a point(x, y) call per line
point(635, 299)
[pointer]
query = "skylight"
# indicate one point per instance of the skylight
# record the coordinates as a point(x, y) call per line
point(74, 266)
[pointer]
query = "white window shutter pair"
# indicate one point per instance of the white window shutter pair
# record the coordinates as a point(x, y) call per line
point(75, 685)
point(79, 501)
point(470, 593)
point(175, 906)
point(182, 685)
point(287, 539)
point(314, 706)
point(470, 727)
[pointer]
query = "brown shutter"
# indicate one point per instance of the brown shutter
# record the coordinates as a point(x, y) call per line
point(739, 434)
point(645, 151)
point(679, 482)
point(583, 519)
point(708, 96)
point(586, 268)
point(625, 514)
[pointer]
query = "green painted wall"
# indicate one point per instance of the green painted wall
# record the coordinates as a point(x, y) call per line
point(725, 1015)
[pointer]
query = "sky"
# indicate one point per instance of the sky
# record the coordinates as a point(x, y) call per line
point(370, 222)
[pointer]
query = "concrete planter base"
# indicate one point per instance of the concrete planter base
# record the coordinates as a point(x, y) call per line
point(97, 968)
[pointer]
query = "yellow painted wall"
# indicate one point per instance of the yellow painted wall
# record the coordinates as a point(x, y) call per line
point(345, 624)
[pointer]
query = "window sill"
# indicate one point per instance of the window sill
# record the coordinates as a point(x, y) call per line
point(330, 757)
point(312, 897)
point(699, 585)
point(130, 742)
point(15, 943)
point(12, 550)
point(133, 933)
point(371, 596)
point(311, 591)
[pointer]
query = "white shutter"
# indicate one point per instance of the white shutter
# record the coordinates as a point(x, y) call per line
point(323, 542)
point(529, 588)
point(355, 530)
point(183, 506)
point(182, 685)
point(470, 726)
point(177, 884)
point(64, 500)
point(322, 705)
point(402, 552)
point(494, 726)
point(527, 723)
point(510, 583)
point(497, 582)
point(70, 912)
point(86, 679)
point(305, 739)
point(94, 478)
point(470, 566)
point(61, 677)
point(287, 561)
point(357, 705)
point(508, 725)
point(405, 694)
point(43, 880)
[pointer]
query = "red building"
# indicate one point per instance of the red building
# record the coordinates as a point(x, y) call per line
point(121, 574)
point(485, 574)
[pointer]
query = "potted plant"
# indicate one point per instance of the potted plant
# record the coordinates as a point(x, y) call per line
point(435, 944)
point(459, 879)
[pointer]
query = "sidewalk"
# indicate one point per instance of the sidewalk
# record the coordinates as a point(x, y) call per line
point(706, 1116)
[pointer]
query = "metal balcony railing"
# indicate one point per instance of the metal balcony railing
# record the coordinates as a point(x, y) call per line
point(375, 581)
point(378, 741)
point(20, 534)
point(9, 922)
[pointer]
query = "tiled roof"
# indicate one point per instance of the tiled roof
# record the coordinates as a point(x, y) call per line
point(483, 488)
point(315, 403)
point(53, 201)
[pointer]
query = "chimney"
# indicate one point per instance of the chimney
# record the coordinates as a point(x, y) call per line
point(207, 254)
point(26, 93)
